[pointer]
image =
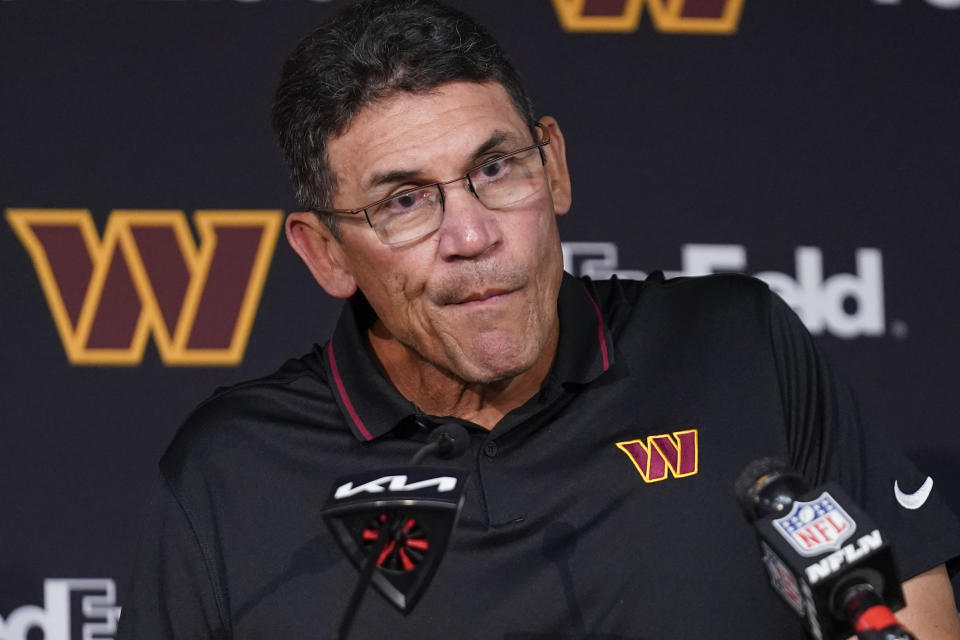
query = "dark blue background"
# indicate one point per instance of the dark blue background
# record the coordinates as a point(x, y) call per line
point(833, 125)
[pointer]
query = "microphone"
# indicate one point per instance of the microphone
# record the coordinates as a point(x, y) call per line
point(447, 441)
point(825, 557)
point(394, 524)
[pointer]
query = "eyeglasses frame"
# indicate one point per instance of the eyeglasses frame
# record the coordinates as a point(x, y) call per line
point(543, 159)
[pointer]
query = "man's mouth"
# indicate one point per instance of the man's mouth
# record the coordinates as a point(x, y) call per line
point(476, 289)
point(480, 297)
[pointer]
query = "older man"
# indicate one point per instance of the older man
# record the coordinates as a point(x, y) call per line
point(607, 420)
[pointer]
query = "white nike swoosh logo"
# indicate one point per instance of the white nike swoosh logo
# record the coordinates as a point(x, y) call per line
point(916, 499)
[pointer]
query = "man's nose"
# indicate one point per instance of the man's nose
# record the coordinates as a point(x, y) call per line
point(469, 229)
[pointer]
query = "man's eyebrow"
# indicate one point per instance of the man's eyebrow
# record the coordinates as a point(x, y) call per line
point(390, 177)
point(495, 139)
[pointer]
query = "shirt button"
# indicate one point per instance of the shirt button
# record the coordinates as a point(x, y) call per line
point(490, 449)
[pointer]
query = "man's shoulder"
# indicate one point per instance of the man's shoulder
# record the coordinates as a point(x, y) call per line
point(717, 284)
point(705, 298)
point(245, 415)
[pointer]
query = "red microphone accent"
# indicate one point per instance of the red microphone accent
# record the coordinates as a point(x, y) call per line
point(875, 618)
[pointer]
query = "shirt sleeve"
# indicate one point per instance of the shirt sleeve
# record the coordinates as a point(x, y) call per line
point(174, 595)
point(828, 441)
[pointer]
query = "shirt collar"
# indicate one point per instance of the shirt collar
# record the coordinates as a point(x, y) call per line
point(373, 407)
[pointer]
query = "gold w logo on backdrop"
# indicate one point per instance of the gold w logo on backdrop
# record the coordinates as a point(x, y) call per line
point(672, 16)
point(148, 276)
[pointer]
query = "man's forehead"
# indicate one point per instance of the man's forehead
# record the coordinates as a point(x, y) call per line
point(403, 131)
point(496, 140)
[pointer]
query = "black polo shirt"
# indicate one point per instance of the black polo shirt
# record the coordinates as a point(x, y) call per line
point(602, 508)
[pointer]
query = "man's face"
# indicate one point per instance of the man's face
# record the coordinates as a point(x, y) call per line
point(477, 297)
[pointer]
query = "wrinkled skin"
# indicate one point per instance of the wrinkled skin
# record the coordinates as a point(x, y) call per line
point(468, 314)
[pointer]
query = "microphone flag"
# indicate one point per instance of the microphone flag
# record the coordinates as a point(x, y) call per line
point(820, 548)
point(398, 520)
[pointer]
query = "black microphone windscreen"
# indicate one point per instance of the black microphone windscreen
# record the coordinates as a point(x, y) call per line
point(452, 439)
point(766, 485)
point(754, 471)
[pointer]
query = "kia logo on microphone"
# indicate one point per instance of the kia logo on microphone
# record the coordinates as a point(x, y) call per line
point(396, 483)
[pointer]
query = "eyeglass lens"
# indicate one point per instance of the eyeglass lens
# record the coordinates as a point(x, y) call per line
point(498, 184)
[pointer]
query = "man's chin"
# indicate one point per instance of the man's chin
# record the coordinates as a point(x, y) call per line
point(489, 376)
point(493, 362)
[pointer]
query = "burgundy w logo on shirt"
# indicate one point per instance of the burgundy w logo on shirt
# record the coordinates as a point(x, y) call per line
point(656, 457)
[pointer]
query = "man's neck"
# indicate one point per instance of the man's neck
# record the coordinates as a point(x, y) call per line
point(438, 392)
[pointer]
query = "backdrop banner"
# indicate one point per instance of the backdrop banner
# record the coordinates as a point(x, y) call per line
point(811, 144)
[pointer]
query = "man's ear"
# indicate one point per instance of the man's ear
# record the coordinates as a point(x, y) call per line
point(321, 252)
point(556, 153)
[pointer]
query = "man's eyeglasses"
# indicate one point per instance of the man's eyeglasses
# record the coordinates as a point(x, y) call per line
point(497, 184)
